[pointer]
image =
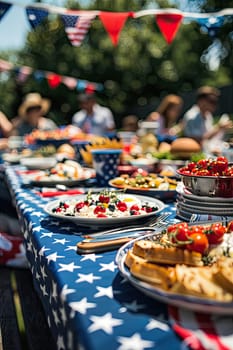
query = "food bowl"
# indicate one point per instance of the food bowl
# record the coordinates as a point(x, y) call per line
point(212, 186)
point(144, 163)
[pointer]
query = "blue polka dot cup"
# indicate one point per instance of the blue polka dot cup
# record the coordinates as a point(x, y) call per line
point(105, 163)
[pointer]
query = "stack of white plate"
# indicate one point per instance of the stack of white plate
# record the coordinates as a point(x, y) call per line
point(188, 204)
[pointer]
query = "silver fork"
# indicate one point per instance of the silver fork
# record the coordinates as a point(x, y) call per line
point(155, 222)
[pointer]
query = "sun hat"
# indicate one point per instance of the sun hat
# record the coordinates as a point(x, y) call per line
point(31, 100)
point(208, 90)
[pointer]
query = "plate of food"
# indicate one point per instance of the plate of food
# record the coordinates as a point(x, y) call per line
point(105, 208)
point(69, 173)
point(149, 184)
point(38, 162)
point(185, 265)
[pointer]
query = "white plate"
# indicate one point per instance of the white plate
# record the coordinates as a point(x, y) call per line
point(205, 210)
point(207, 199)
point(190, 201)
point(11, 158)
point(101, 222)
point(38, 162)
point(87, 173)
point(185, 301)
point(151, 192)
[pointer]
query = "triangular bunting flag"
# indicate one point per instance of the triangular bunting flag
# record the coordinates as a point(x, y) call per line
point(169, 24)
point(5, 66)
point(4, 7)
point(113, 23)
point(22, 73)
point(54, 80)
point(36, 15)
point(76, 26)
point(211, 24)
point(70, 82)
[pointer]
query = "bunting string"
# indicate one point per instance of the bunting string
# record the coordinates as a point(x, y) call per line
point(77, 23)
point(54, 80)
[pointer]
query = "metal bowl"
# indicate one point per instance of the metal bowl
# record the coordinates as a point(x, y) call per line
point(212, 186)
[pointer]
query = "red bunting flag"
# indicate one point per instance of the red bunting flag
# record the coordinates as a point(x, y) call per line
point(169, 24)
point(54, 80)
point(113, 23)
point(90, 88)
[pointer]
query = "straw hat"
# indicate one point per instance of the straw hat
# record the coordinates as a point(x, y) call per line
point(34, 99)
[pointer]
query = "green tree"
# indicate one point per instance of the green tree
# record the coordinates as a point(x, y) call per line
point(137, 72)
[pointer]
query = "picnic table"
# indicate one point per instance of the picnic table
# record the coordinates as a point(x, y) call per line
point(87, 302)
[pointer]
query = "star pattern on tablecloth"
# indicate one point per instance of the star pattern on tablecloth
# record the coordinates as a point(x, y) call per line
point(66, 291)
point(155, 324)
point(110, 267)
point(83, 288)
point(135, 342)
point(53, 257)
point(68, 267)
point(71, 247)
point(43, 250)
point(134, 306)
point(62, 241)
point(81, 306)
point(60, 343)
point(107, 292)
point(87, 277)
point(91, 257)
point(47, 234)
point(104, 323)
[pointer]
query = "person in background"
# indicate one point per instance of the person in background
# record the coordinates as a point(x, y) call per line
point(167, 114)
point(130, 123)
point(5, 130)
point(93, 118)
point(31, 115)
point(198, 121)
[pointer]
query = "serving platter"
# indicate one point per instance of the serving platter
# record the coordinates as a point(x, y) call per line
point(185, 301)
point(106, 221)
point(151, 192)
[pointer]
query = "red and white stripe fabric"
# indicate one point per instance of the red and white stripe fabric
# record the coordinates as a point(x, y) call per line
point(202, 331)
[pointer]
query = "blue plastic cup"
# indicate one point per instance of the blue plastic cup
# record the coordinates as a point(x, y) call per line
point(105, 163)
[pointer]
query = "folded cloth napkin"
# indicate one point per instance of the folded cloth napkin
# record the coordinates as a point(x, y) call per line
point(60, 193)
point(202, 331)
point(208, 217)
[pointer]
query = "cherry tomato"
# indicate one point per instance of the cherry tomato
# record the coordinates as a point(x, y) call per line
point(135, 207)
point(79, 206)
point(215, 233)
point(122, 206)
point(199, 243)
point(99, 210)
point(191, 166)
point(178, 233)
point(202, 163)
point(174, 227)
point(196, 229)
point(181, 236)
point(230, 226)
point(104, 199)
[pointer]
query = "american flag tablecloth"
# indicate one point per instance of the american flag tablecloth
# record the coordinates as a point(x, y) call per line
point(86, 300)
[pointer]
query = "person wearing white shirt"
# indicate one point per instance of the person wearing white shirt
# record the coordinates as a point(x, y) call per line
point(198, 121)
point(93, 118)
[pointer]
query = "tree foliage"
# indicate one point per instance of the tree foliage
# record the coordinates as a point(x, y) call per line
point(136, 73)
